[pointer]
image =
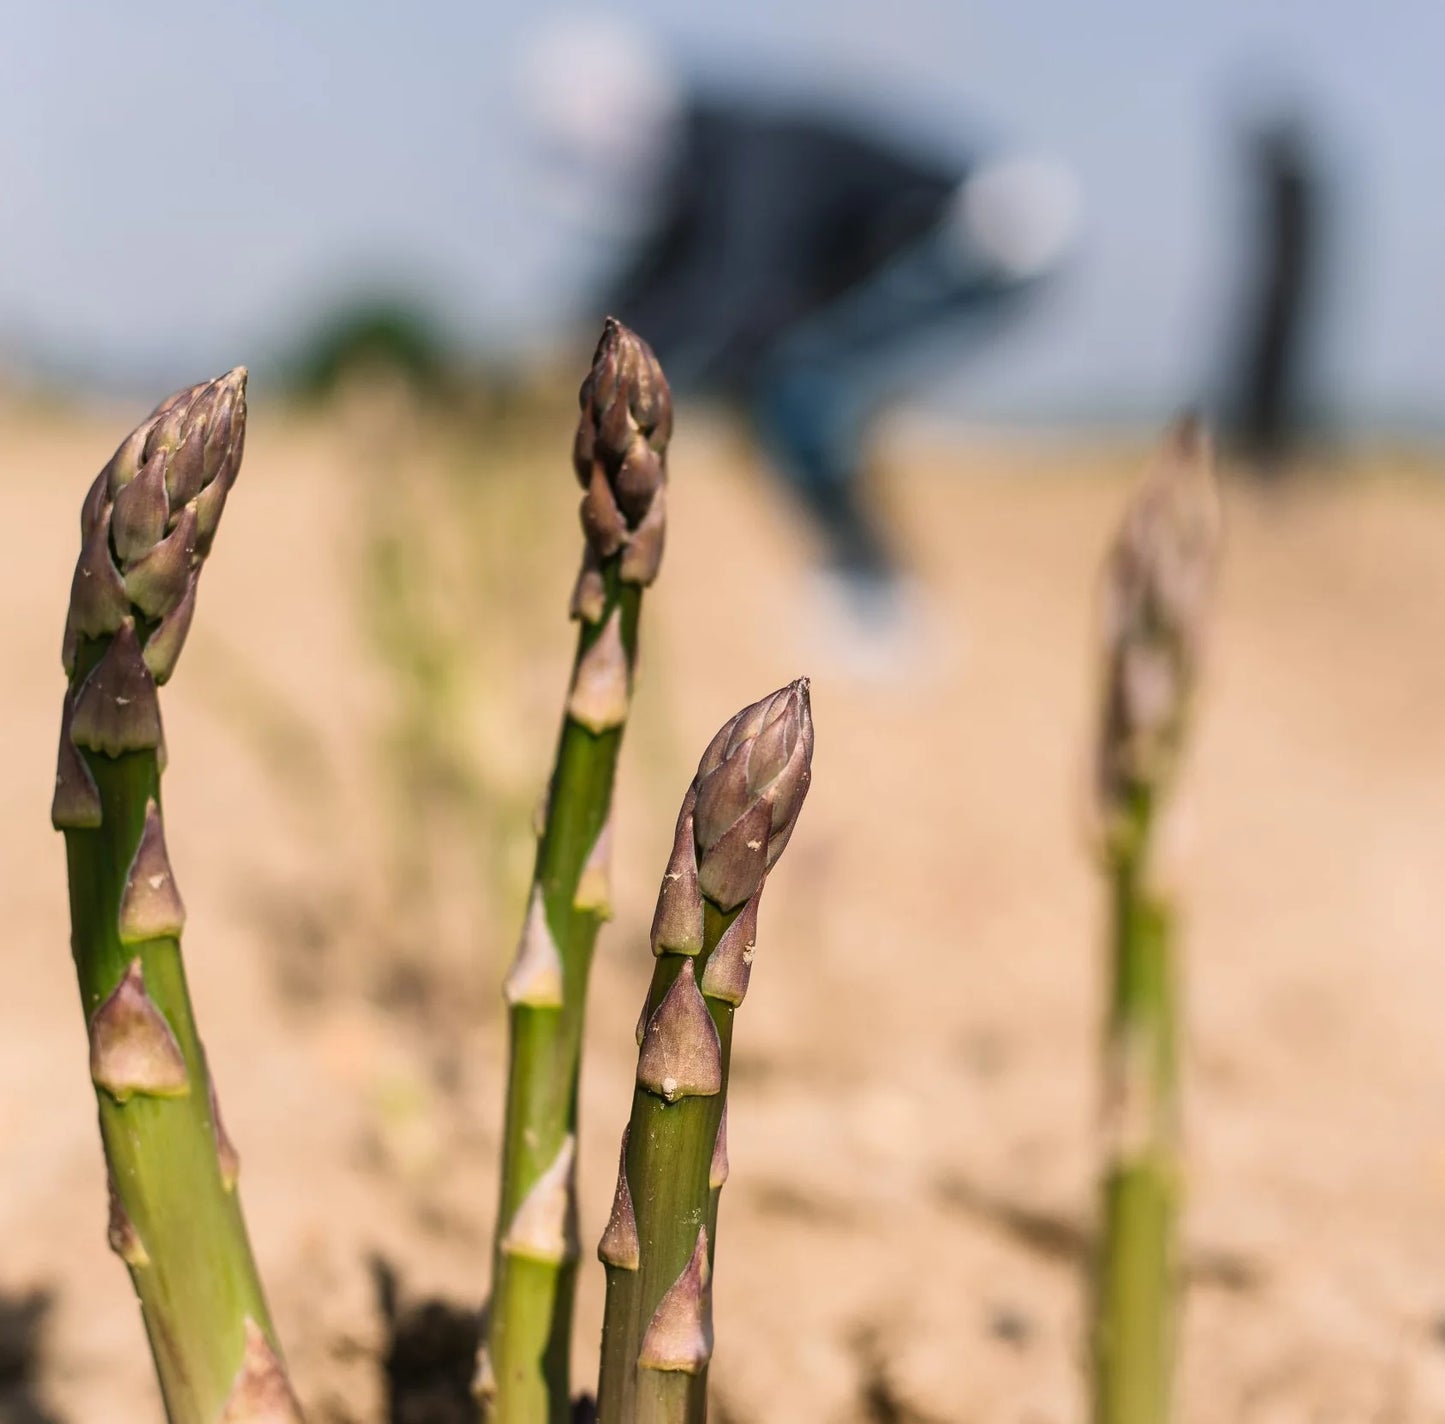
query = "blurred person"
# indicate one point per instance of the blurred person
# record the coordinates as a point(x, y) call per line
point(1265, 381)
point(802, 269)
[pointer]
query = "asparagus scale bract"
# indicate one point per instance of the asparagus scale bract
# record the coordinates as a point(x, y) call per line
point(660, 1240)
point(1157, 587)
point(620, 457)
point(175, 1218)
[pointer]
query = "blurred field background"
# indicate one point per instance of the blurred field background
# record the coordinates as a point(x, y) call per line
point(912, 1135)
point(366, 715)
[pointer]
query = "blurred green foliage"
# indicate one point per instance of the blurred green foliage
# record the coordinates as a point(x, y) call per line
point(370, 334)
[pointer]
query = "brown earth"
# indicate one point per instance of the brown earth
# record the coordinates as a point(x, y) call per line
point(357, 734)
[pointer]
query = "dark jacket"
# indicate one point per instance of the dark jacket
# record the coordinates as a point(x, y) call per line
point(764, 219)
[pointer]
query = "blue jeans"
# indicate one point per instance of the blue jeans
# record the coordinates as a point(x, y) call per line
point(815, 392)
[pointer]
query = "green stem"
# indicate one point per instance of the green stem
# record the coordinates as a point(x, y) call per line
point(193, 1272)
point(530, 1321)
point(617, 1377)
point(1136, 1288)
point(669, 1157)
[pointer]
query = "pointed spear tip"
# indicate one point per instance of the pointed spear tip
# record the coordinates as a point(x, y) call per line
point(619, 452)
point(717, 1172)
point(133, 1049)
point(120, 1232)
point(620, 1246)
point(260, 1392)
point(679, 1336)
point(1157, 593)
point(1189, 433)
point(150, 904)
point(1178, 502)
point(619, 343)
point(601, 688)
point(543, 1227)
point(536, 977)
point(681, 1054)
point(751, 783)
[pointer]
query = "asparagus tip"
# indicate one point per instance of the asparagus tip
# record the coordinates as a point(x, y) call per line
point(620, 452)
point(149, 518)
point(1158, 581)
point(751, 784)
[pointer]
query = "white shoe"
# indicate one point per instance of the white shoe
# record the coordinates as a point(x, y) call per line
point(877, 630)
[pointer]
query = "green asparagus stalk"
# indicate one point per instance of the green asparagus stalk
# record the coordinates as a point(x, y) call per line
point(620, 459)
point(1158, 582)
point(175, 1217)
point(659, 1244)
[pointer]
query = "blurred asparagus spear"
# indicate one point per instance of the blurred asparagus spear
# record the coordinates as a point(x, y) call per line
point(175, 1219)
point(1158, 583)
point(620, 458)
point(658, 1246)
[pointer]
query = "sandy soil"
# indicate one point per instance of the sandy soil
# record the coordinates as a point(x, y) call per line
point(914, 1103)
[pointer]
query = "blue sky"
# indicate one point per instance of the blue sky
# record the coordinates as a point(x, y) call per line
point(184, 181)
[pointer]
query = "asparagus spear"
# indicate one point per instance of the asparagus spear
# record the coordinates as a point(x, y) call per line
point(1158, 581)
point(620, 459)
point(175, 1218)
point(659, 1243)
